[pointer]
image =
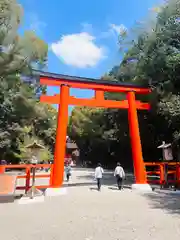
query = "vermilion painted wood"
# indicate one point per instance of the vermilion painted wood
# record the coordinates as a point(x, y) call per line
point(39, 187)
point(57, 175)
point(72, 79)
point(28, 176)
point(37, 176)
point(21, 166)
point(64, 99)
point(94, 102)
point(139, 167)
point(160, 172)
point(107, 88)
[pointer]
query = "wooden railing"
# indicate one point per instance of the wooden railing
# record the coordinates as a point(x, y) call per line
point(28, 175)
point(156, 173)
point(163, 173)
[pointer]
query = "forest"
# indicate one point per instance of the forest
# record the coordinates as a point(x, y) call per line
point(151, 55)
point(23, 118)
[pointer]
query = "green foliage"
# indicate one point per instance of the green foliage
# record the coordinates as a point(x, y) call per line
point(18, 53)
point(44, 155)
point(22, 116)
point(151, 56)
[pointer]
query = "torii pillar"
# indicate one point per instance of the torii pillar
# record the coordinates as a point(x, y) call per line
point(64, 99)
point(60, 146)
point(138, 162)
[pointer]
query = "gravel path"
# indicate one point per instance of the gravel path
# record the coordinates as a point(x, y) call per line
point(87, 214)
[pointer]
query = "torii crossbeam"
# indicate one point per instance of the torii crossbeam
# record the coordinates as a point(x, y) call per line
point(64, 99)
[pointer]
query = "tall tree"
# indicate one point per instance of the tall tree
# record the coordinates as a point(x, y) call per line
point(152, 57)
point(19, 103)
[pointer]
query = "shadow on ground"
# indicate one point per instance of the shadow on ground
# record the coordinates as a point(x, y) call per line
point(166, 200)
point(108, 179)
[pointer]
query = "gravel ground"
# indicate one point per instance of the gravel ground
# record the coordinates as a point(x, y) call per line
point(87, 214)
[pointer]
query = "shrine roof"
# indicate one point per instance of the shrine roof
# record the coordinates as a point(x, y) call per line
point(71, 79)
point(71, 145)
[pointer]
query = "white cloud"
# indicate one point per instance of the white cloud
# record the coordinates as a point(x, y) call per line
point(118, 29)
point(78, 50)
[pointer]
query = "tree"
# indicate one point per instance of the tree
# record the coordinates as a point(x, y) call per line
point(19, 98)
point(18, 53)
point(151, 57)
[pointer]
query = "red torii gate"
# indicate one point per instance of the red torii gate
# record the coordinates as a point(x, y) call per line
point(64, 99)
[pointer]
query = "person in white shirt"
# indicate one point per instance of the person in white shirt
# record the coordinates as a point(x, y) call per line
point(98, 175)
point(120, 175)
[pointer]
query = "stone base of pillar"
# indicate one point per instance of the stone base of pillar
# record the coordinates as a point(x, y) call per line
point(51, 192)
point(141, 187)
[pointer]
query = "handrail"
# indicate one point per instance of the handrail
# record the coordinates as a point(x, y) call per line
point(28, 174)
point(164, 174)
point(26, 165)
point(159, 172)
point(158, 163)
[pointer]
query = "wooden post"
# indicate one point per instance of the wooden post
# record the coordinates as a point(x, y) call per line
point(28, 175)
point(177, 174)
point(99, 94)
point(161, 168)
point(60, 146)
point(139, 168)
point(2, 169)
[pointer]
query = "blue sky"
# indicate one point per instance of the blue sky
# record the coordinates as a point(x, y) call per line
point(82, 34)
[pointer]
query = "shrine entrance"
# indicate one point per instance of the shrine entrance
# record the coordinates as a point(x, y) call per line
point(65, 83)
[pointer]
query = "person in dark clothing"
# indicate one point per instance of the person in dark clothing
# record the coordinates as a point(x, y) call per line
point(119, 182)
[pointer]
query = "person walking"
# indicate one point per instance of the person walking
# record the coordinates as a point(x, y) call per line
point(67, 171)
point(120, 175)
point(98, 175)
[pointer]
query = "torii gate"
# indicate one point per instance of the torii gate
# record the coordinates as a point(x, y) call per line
point(64, 99)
